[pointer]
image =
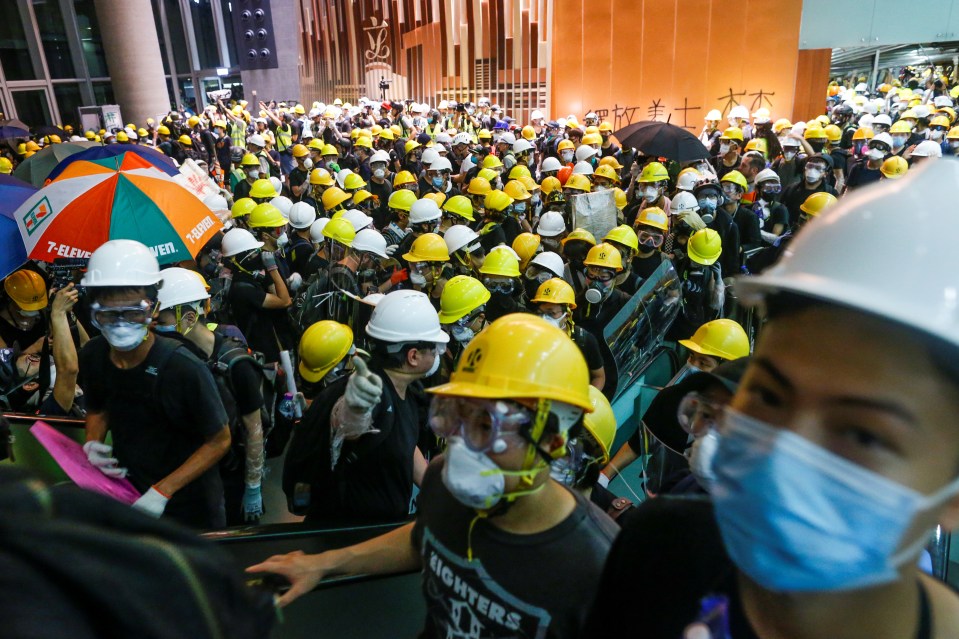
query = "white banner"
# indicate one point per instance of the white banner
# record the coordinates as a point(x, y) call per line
point(195, 180)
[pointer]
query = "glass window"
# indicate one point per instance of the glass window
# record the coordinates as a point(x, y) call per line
point(174, 23)
point(32, 107)
point(103, 93)
point(90, 40)
point(226, 8)
point(17, 62)
point(159, 26)
point(205, 34)
point(235, 85)
point(68, 101)
point(53, 37)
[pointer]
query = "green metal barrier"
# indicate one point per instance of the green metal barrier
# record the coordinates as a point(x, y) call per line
point(30, 454)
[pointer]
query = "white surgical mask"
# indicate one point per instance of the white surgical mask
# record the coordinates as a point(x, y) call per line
point(723, 149)
point(899, 140)
point(650, 194)
point(283, 240)
point(379, 173)
point(789, 155)
point(812, 175)
point(567, 156)
point(436, 364)
point(935, 135)
point(463, 334)
point(558, 322)
point(472, 478)
point(701, 458)
point(875, 154)
point(124, 336)
point(417, 278)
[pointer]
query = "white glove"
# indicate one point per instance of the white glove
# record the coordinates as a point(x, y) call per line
point(294, 282)
point(603, 480)
point(152, 502)
point(100, 455)
point(364, 389)
point(391, 249)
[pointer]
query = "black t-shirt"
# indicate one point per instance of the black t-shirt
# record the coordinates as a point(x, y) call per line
point(517, 585)
point(297, 177)
point(595, 317)
point(159, 414)
point(241, 190)
point(590, 348)
point(262, 327)
point(794, 196)
point(381, 212)
point(748, 224)
point(644, 267)
point(777, 215)
point(245, 378)
point(861, 175)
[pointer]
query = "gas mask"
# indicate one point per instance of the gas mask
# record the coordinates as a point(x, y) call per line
point(597, 291)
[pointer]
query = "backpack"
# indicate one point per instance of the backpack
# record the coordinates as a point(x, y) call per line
point(310, 482)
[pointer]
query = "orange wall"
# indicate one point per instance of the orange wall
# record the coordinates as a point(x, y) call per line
point(624, 56)
point(812, 76)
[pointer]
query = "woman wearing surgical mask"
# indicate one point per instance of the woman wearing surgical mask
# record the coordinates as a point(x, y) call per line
point(832, 473)
point(462, 314)
point(555, 301)
point(21, 319)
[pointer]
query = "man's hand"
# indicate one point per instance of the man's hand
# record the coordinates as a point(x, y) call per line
point(252, 503)
point(64, 299)
point(101, 456)
point(301, 570)
point(269, 261)
point(364, 388)
point(152, 502)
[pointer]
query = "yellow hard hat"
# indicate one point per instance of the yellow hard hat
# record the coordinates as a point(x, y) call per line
point(90, 135)
point(249, 160)
point(518, 171)
point(402, 200)
point(410, 145)
point(592, 138)
point(192, 121)
point(833, 133)
point(601, 423)
point(361, 196)
point(529, 132)
point(500, 261)
point(604, 255)
point(505, 361)
point(529, 183)
point(479, 186)
point(161, 130)
point(396, 130)
point(566, 145)
point(323, 346)
point(550, 184)
point(760, 145)
point(315, 143)
point(940, 120)
point(626, 236)
point(32, 146)
point(704, 247)
point(262, 189)
point(580, 234)
point(340, 230)
point(497, 200)
point(123, 137)
point(822, 119)
point(353, 182)
point(266, 216)
point(491, 162)
point(386, 134)
point(439, 198)
point(428, 247)
point(27, 289)
point(723, 338)
point(732, 133)
point(816, 203)
point(321, 177)
point(900, 126)
point(516, 190)
point(525, 246)
point(143, 133)
point(555, 290)
point(610, 160)
point(6, 166)
point(814, 133)
point(619, 195)
point(953, 133)
point(363, 141)
point(329, 149)
point(242, 207)
point(484, 134)
point(299, 110)
point(736, 178)
point(460, 205)
point(461, 296)
point(487, 174)
point(780, 124)
point(402, 178)
point(654, 172)
point(606, 171)
point(183, 139)
point(863, 133)
point(300, 151)
point(334, 197)
point(605, 126)
point(578, 182)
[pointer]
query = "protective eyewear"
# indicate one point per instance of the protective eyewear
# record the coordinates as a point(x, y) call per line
point(697, 413)
point(650, 238)
point(108, 315)
point(484, 425)
point(774, 187)
point(937, 128)
point(599, 274)
point(731, 190)
point(538, 274)
point(498, 286)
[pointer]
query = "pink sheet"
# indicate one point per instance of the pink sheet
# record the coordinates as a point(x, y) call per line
point(69, 454)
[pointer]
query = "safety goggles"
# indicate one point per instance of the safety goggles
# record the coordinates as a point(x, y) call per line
point(108, 315)
point(598, 274)
point(938, 128)
point(771, 187)
point(484, 425)
point(424, 268)
point(731, 190)
point(697, 413)
point(538, 274)
point(498, 285)
point(650, 238)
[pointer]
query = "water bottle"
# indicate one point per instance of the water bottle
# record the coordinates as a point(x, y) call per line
point(287, 408)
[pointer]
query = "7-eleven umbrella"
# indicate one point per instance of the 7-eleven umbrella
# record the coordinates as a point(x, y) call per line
point(90, 203)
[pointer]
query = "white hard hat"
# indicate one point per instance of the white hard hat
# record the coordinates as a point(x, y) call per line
point(256, 140)
point(551, 261)
point(358, 219)
point(766, 175)
point(942, 101)
point(522, 145)
point(536, 115)
point(283, 203)
point(508, 138)
point(683, 201)
point(884, 138)
point(370, 241)
point(429, 156)
point(591, 116)
point(551, 164)
point(302, 215)
point(834, 259)
point(561, 123)
point(550, 224)
point(761, 116)
point(424, 210)
point(922, 110)
point(216, 202)
point(237, 241)
point(132, 134)
point(443, 138)
point(927, 149)
point(440, 164)
point(316, 229)
point(585, 152)
point(714, 115)
point(861, 87)
point(341, 176)
point(442, 105)
point(866, 120)
point(406, 316)
point(687, 180)
point(583, 168)
point(380, 156)
point(458, 236)
point(870, 108)
point(739, 111)
point(461, 138)
point(181, 286)
point(882, 118)
point(277, 185)
point(122, 263)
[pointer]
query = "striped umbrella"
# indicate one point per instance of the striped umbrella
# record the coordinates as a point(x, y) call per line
point(115, 198)
point(106, 153)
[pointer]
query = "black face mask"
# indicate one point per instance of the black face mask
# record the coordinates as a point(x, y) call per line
point(817, 145)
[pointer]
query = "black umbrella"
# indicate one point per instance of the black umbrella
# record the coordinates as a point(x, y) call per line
point(661, 139)
point(49, 129)
point(13, 129)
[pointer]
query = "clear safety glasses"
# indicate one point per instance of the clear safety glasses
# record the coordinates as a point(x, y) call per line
point(650, 238)
point(697, 414)
point(484, 424)
point(108, 315)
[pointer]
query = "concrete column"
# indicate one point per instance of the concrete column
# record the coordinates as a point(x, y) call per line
point(133, 58)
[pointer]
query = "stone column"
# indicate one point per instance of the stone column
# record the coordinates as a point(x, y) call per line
point(133, 57)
